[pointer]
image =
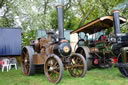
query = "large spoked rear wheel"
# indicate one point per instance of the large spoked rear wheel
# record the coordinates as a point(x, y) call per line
point(123, 70)
point(27, 66)
point(53, 68)
point(78, 65)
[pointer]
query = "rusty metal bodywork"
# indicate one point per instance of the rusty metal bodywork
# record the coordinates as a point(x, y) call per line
point(43, 47)
point(39, 59)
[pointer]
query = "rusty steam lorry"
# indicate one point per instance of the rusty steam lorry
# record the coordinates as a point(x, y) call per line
point(53, 54)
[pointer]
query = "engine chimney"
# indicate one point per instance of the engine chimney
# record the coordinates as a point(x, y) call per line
point(116, 21)
point(59, 6)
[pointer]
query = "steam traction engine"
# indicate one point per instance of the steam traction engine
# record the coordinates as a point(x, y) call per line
point(53, 55)
point(120, 45)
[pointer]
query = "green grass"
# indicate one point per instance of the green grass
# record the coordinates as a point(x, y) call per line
point(93, 77)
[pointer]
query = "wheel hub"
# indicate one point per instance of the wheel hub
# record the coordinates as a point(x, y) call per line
point(51, 68)
point(25, 60)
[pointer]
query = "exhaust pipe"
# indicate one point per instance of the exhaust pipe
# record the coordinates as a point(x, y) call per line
point(116, 21)
point(60, 21)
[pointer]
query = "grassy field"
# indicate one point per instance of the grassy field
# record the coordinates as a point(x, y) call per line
point(93, 77)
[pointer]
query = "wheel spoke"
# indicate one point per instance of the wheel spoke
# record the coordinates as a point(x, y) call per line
point(77, 59)
point(24, 53)
point(55, 72)
point(50, 65)
point(26, 70)
point(76, 69)
point(76, 66)
point(73, 70)
point(27, 67)
point(57, 68)
point(27, 55)
point(80, 61)
point(51, 73)
point(77, 72)
point(55, 64)
point(52, 69)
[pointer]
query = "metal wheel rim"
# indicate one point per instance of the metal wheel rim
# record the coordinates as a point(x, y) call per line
point(25, 62)
point(53, 69)
point(27, 66)
point(76, 69)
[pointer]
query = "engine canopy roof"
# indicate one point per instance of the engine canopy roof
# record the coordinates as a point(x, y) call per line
point(98, 24)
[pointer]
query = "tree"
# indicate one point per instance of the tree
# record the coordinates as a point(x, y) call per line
point(31, 15)
point(6, 19)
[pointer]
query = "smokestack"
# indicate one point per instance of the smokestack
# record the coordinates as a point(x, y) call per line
point(116, 21)
point(60, 19)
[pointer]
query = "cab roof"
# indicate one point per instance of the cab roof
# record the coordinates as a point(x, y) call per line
point(98, 24)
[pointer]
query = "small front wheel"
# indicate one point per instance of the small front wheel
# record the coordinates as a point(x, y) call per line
point(53, 68)
point(78, 66)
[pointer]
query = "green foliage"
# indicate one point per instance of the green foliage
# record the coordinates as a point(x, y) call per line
point(27, 36)
point(41, 14)
point(53, 19)
point(6, 19)
point(70, 20)
point(4, 22)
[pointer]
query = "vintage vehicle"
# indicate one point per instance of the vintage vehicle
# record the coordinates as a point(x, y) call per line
point(101, 51)
point(54, 54)
point(120, 45)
